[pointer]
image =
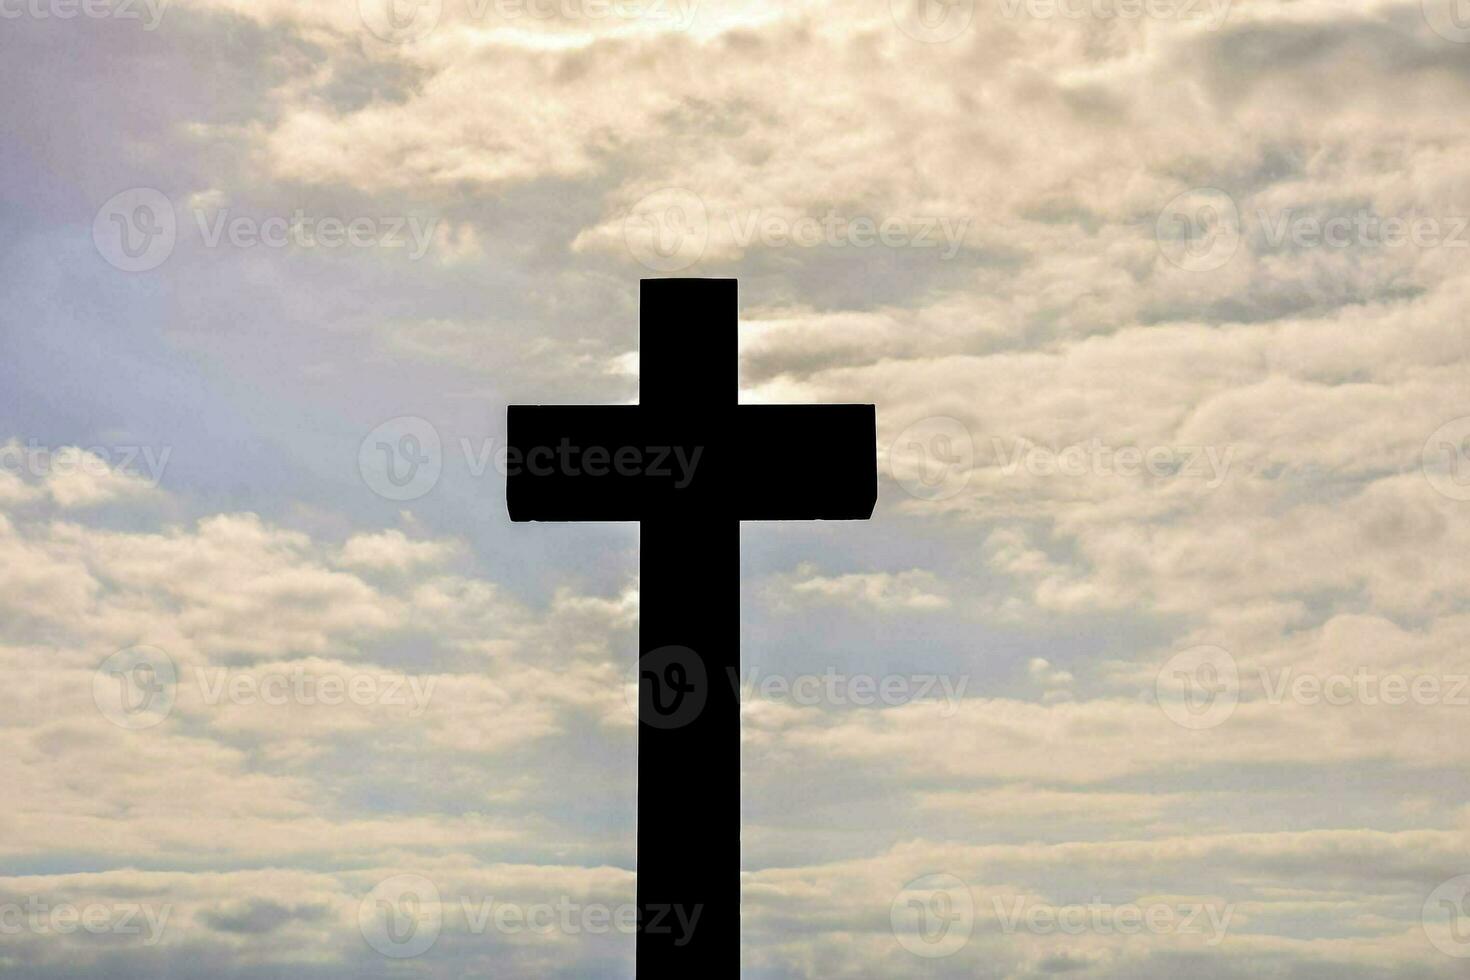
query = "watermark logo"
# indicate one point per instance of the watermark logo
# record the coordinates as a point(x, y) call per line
point(136, 230)
point(402, 458)
point(1450, 19)
point(1199, 230)
point(400, 21)
point(1446, 459)
point(668, 687)
point(932, 21)
point(402, 916)
point(933, 916)
point(1199, 688)
point(667, 230)
point(932, 459)
point(1446, 917)
point(136, 688)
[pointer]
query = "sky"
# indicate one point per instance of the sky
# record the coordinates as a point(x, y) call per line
point(1151, 663)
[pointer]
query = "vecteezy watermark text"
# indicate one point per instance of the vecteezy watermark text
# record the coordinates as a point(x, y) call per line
point(303, 230)
point(670, 229)
point(403, 458)
point(1201, 229)
point(1365, 686)
point(1100, 918)
point(150, 12)
point(222, 685)
point(403, 916)
point(138, 229)
point(1212, 12)
point(1093, 458)
point(39, 462)
point(934, 915)
point(568, 459)
point(38, 917)
point(678, 14)
point(1201, 687)
point(668, 688)
point(137, 688)
point(839, 689)
point(406, 21)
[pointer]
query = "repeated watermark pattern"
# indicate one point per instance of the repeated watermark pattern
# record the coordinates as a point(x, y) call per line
point(669, 687)
point(1201, 687)
point(407, 21)
point(403, 917)
point(148, 13)
point(1099, 918)
point(138, 687)
point(36, 916)
point(841, 689)
point(932, 21)
point(938, 21)
point(933, 459)
point(1210, 464)
point(1446, 917)
point(675, 14)
point(1212, 14)
point(569, 459)
point(1445, 459)
point(1450, 19)
point(403, 459)
point(145, 464)
point(1201, 229)
point(1364, 686)
point(934, 916)
point(135, 688)
point(670, 229)
point(138, 229)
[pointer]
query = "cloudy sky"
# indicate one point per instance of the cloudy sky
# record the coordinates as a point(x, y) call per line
point(1152, 663)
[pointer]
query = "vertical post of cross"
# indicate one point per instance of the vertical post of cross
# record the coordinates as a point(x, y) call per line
point(689, 596)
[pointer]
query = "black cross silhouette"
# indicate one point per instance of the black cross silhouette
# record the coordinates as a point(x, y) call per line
point(689, 463)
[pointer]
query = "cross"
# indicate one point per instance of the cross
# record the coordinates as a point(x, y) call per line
point(689, 463)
